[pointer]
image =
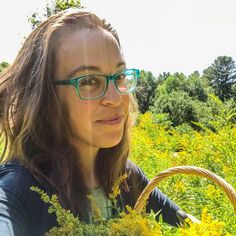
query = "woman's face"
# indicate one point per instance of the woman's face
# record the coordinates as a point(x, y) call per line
point(95, 123)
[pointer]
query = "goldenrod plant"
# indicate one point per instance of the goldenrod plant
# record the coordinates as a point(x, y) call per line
point(128, 223)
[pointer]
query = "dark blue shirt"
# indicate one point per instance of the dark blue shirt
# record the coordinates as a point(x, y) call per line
point(23, 213)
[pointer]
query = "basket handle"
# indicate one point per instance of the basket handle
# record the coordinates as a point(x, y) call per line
point(189, 170)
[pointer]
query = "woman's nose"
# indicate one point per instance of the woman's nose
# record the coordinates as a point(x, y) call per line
point(112, 96)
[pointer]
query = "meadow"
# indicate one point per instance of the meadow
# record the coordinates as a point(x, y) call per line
point(158, 146)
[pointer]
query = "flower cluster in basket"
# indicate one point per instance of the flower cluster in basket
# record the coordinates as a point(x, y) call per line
point(125, 224)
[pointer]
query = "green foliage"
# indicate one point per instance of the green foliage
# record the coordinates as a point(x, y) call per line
point(189, 100)
point(156, 147)
point(69, 225)
point(172, 83)
point(197, 87)
point(128, 223)
point(222, 76)
point(194, 85)
point(223, 113)
point(146, 87)
point(3, 65)
point(215, 114)
point(52, 8)
point(233, 88)
point(178, 105)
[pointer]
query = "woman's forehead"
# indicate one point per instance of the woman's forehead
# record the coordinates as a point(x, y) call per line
point(86, 47)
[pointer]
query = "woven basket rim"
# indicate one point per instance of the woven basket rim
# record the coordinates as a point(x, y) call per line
point(189, 170)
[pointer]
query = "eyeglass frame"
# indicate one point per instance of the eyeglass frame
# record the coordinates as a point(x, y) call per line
point(74, 82)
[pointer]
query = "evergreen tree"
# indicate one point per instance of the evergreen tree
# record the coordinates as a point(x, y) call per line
point(222, 76)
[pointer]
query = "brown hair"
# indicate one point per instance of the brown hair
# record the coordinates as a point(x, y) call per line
point(29, 105)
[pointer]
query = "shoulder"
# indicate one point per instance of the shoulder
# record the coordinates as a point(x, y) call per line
point(131, 166)
point(17, 178)
point(135, 172)
point(13, 173)
point(15, 183)
point(136, 180)
point(18, 203)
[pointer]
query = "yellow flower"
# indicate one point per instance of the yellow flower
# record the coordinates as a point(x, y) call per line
point(116, 187)
point(212, 192)
point(133, 224)
point(207, 227)
point(179, 186)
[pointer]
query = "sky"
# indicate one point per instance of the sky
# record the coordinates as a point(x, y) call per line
point(156, 35)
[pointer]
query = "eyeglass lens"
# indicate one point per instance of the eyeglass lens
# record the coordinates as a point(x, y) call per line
point(93, 86)
point(125, 82)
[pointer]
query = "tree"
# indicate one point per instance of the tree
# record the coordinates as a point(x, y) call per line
point(3, 65)
point(234, 91)
point(183, 98)
point(222, 76)
point(145, 92)
point(198, 87)
point(194, 85)
point(163, 76)
point(178, 105)
point(176, 82)
point(53, 7)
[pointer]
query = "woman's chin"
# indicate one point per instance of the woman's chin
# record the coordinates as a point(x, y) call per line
point(110, 142)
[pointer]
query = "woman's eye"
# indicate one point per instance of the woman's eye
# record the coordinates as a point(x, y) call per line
point(90, 81)
point(120, 77)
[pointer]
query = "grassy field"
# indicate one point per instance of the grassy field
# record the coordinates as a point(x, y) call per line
point(158, 147)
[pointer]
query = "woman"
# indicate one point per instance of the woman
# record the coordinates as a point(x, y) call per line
point(66, 107)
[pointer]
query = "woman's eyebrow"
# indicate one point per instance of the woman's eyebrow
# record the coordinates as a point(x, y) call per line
point(83, 68)
point(122, 63)
point(92, 68)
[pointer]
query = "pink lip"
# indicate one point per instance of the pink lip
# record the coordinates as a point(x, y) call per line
point(111, 121)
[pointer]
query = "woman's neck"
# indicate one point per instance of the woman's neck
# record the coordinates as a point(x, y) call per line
point(87, 155)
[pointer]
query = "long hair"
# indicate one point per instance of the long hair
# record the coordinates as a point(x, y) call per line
point(33, 126)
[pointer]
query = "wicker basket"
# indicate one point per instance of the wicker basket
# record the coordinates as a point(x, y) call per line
point(190, 170)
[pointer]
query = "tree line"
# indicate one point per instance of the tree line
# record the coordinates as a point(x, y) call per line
point(192, 100)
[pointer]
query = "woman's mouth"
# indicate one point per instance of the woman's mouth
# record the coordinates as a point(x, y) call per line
point(111, 121)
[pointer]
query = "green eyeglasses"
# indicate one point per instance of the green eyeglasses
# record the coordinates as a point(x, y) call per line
point(89, 87)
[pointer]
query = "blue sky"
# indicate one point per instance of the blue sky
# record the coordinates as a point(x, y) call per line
point(156, 35)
